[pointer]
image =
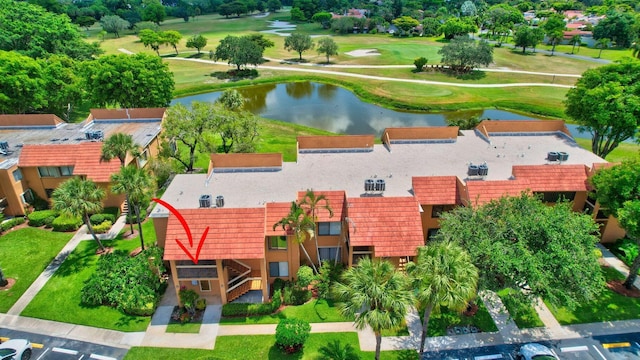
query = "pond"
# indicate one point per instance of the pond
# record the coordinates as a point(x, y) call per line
point(332, 108)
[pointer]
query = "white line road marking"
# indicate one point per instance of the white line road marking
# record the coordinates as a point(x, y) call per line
point(41, 355)
point(489, 357)
point(65, 351)
point(574, 348)
point(81, 357)
point(599, 353)
point(101, 357)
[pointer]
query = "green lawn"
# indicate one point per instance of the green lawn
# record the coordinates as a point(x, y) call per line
point(625, 151)
point(186, 328)
point(609, 306)
point(59, 300)
point(315, 311)
point(439, 322)
point(524, 315)
point(262, 347)
point(25, 254)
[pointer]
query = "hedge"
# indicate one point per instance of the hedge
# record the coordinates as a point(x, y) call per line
point(97, 219)
point(42, 217)
point(11, 223)
point(65, 223)
point(242, 309)
point(102, 227)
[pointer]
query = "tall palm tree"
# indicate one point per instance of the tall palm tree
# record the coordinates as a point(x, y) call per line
point(301, 225)
point(575, 40)
point(79, 198)
point(118, 146)
point(376, 294)
point(602, 43)
point(335, 351)
point(443, 276)
point(313, 201)
point(138, 185)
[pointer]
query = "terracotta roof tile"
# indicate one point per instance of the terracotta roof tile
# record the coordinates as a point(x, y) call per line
point(436, 190)
point(275, 212)
point(233, 233)
point(30, 120)
point(482, 192)
point(391, 225)
point(553, 177)
point(84, 157)
point(336, 200)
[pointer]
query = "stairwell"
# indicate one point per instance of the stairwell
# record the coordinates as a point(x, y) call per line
point(242, 279)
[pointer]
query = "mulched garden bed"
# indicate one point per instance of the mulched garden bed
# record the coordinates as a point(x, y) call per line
point(617, 286)
point(178, 316)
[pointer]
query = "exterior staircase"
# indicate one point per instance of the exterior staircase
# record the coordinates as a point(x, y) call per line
point(242, 279)
point(402, 264)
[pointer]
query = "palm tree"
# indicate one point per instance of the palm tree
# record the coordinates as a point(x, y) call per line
point(335, 351)
point(301, 225)
point(575, 40)
point(3, 280)
point(118, 146)
point(138, 185)
point(602, 43)
point(79, 198)
point(443, 276)
point(376, 294)
point(635, 49)
point(312, 201)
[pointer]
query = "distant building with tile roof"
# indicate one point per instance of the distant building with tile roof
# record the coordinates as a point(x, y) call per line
point(387, 199)
point(40, 151)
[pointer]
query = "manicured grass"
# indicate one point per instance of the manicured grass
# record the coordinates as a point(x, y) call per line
point(186, 328)
point(609, 306)
point(438, 323)
point(25, 254)
point(262, 347)
point(525, 316)
point(625, 151)
point(315, 311)
point(401, 330)
point(59, 300)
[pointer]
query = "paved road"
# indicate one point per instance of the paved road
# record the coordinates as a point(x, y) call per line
point(55, 348)
point(610, 347)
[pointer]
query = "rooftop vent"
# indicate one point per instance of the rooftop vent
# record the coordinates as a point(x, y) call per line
point(369, 185)
point(205, 201)
point(473, 170)
point(552, 156)
point(563, 156)
point(380, 185)
point(94, 135)
point(220, 201)
point(4, 145)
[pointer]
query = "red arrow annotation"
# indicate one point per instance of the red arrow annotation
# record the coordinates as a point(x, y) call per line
point(187, 230)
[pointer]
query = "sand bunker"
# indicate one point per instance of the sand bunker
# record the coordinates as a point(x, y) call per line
point(363, 52)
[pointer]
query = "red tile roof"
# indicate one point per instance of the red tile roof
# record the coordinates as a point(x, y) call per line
point(233, 233)
point(275, 212)
point(28, 120)
point(84, 157)
point(553, 177)
point(391, 225)
point(436, 190)
point(336, 201)
point(482, 192)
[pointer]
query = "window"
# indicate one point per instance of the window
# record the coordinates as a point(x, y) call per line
point(143, 158)
point(556, 196)
point(329, 228)
point(49, 193)
point(279, 269)
point(205, 285)
point(431, 233)
point(329, 253)
point(55, 171)
point(27, 197)
point(17, 175)
point(277, 242)
point(66, 170)
point(437, 210)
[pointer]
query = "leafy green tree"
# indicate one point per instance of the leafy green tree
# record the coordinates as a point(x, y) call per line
point(85, 21)
point(313, 203)
point(301, 225)
point(327, 46)
point(405, 23)
point(186, 127)
point(79, 198)
point(274, 5)
point(601, 44)
point(605, 102)
point(458, 27)
point(154, 12)
point(468, 8)
point(62, 84)
point(152, 39)
point(323, 18)
point(31, 30)
point(232, 100)
point(618, 191)
point(172, 38)
point(526, 36)
point(21, 84)
point(555, 38)
point(114, 24)
point(443, 276)
point(260, 40)
point(420, 63)
point(502, 16)
point(554, 24)
point(197, 41)
point(463, 54)
point(238, 129)
point(376, 294)
point(137, 184)
point(509, 240)
point(297, 15)
point(128, 81)
point(617, 27)
point(431, 27)
point(575, 40)
point(343, 25)
point(298, 42)
point(239, 51)
point(335, 351)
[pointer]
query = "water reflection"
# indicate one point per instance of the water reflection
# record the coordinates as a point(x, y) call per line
point(338, 110)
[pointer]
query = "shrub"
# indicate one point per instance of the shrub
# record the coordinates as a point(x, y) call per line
point(327, 275)
point(291, 334)
point(114, 211)
point(41, 217)
point(64, 223)
point(102, 227)
point(420, 63)
point(97, 219)
point(11, 223)
point(278, 284)
point(626, 249)
point(39, 203)
point(276, 300)
point(133, 219)
point(293, 295)
point(189, 299)
point(304, 276)
point(201, 304)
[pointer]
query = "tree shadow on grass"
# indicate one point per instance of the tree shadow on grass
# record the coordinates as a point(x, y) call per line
point(196, 56)
point(234, 75)
point(515, 51)
point(408, 355)
point(127, 320)
point(76, 262)
point(275, 353)
point(473, 75)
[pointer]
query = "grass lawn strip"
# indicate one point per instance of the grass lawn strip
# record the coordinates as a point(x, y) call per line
point(524, 316)
point(25, 254)
point(186, 328)
point(59, 300)
point(438, 323)
point(315, 311)
point(609, 306)
point(262, 347)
